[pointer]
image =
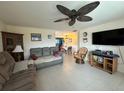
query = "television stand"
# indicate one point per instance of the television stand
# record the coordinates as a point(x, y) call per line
point(106, 63)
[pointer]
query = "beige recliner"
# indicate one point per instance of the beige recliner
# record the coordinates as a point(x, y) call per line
point(23, 80)
point(80, 55)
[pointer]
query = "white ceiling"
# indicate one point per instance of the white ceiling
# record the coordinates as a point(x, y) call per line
point(41, 14)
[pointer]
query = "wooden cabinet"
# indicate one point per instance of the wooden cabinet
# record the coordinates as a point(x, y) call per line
point(10, 40)
point(108, 64)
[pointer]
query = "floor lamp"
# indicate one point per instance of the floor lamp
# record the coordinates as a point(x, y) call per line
point(18, 49)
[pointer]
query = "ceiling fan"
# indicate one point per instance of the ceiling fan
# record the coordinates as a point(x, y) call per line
point(80, 15)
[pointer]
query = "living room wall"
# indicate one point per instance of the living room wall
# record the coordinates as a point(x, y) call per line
point(27, 37)
point(102, 27)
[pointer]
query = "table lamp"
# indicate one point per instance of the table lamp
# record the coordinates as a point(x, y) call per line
point(18, 49)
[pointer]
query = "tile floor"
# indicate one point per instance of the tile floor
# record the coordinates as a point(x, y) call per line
point(70, 76)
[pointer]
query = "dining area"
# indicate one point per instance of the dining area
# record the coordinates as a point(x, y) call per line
point(68, 49)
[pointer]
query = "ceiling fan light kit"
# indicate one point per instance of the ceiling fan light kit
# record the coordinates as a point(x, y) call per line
point(80, 15)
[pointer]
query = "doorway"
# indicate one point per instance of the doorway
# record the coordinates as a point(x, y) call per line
point(59, 42)
point(67, 39)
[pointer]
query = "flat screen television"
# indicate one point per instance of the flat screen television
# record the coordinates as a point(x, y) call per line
point(110, 37)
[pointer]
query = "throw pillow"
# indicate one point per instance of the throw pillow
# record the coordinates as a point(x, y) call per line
point(55, 53)
point(34, 57)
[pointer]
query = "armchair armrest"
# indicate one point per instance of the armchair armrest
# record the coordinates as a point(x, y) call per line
point(19, 66)
point(22, 65)
point(74, 53)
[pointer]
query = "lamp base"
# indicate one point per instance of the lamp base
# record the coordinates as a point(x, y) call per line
point(19, 57)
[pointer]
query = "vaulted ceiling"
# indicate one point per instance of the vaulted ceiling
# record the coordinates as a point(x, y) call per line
point(41, 14)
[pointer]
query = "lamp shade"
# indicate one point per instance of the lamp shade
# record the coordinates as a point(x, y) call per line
point(18, 48)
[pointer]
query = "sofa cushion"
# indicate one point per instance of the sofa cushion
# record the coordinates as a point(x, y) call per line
point(52, 49)
point(36, 51)
point(19, 66)
point(46, 51)
point(57, 48)
point(2, 59)
point(17, 77)
point(47, 59)
point(24, 72)
point(17, 84)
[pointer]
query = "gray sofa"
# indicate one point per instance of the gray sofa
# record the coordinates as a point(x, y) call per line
point(20, 81)
point(46, 57)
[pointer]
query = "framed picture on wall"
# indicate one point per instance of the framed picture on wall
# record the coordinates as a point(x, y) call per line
point(35, 37)
point(85, 40)
point(70, 40)
point(49, 36)
point(85, 34)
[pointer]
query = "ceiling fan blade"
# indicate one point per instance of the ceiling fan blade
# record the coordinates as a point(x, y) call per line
point(64, 10)
point(72, 22)
point(84, 18)
point(88, 8)
point(62, 19)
